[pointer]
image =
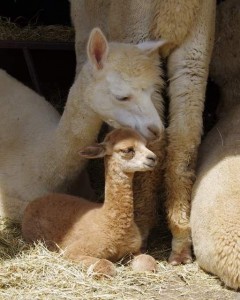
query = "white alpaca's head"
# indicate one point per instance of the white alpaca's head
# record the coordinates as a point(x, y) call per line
point(127, 150)
point(124, 80)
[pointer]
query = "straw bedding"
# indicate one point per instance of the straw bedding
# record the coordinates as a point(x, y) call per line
point(32, 272)
point(58, 33)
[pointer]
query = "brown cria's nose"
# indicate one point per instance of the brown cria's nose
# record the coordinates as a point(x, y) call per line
point(154, 131)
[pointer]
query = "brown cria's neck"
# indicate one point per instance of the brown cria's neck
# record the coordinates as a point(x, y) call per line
point(118, 203)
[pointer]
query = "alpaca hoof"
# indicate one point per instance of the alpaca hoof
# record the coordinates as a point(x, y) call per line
point(184, 257)
point(144, 262)
point(102, 268)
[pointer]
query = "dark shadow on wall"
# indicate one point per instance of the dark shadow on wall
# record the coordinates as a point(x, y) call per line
point(55, 70)
point(38, 12)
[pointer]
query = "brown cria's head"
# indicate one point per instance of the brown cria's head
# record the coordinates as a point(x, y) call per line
point(127, 148)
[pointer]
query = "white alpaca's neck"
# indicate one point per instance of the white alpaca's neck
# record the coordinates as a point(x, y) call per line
point(78, 127)
point(118, 203)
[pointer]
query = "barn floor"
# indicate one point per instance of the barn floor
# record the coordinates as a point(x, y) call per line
point(35, 273)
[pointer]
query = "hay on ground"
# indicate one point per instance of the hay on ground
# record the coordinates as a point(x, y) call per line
point(52, 33)
point(32, 272)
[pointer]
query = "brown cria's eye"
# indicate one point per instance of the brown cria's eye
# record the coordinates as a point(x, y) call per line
point(128, 150)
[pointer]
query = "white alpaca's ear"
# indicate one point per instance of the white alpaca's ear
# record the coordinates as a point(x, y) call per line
point(97, 48)
point(152, 46)
point(95, 151)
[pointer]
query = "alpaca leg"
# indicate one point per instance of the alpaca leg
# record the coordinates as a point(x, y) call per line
point(144, 262)
point(86, 15)
point(188, 71)
point(82, 28)
point(146, 187)
point(78, 252)
point(99, 267)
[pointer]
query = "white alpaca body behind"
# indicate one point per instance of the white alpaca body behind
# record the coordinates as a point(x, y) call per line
point(215, 214)
point(25, 138)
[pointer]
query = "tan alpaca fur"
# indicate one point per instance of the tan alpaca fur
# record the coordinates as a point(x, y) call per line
point(38, 150)
point(225, 64)
point(188, 26)
point(90, 231)
point(215, 215)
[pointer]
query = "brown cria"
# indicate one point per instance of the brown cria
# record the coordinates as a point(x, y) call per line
point(92, 233)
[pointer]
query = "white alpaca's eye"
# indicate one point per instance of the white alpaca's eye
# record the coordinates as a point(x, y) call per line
point(121, 98)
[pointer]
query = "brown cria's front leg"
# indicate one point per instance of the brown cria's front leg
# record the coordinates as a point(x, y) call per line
point(188, 72)
point(95, 266)
point(144, 262)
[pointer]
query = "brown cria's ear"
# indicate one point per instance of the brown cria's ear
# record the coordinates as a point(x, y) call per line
point(97, 48)
point(94, 151)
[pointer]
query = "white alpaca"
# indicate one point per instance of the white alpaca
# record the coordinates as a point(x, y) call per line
point(215, 214)
point(38, 150)
point(188, 26)
point(92, 232)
